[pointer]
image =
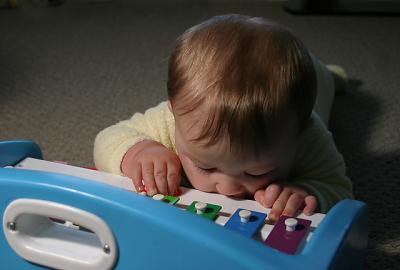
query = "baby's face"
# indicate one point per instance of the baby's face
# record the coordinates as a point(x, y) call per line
point(215, 169)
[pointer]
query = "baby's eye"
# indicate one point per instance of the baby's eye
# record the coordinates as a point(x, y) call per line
point(257, 175)
point(206, 170)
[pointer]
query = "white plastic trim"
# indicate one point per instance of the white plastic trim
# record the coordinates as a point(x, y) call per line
point(39, 240)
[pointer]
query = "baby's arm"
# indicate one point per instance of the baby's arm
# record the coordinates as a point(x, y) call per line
point(124, 142)
point(318, 179)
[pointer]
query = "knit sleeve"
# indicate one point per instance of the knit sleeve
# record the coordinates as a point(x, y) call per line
point(319, 167)
point(112, 143)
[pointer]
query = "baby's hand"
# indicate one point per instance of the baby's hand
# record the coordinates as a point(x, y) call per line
point(286, 200)
point(155, 165)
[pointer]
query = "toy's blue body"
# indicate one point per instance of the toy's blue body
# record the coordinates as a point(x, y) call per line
point(151, 235)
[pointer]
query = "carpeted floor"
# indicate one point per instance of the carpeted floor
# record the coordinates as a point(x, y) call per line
point(67, 72)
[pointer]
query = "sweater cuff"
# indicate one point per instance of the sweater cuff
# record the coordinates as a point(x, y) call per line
point(113, 162)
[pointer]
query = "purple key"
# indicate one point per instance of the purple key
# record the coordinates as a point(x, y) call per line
point(287, 237)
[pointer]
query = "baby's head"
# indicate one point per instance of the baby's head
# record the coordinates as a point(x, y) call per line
point(241, 90)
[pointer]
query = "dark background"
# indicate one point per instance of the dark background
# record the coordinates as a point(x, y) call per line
point(68, 71)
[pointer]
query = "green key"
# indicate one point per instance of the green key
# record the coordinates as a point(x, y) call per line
point(166, 198)
point(206, 210)
point(170, 199)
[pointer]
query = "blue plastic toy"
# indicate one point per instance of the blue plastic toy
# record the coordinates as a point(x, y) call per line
point(123, 230)
point(248, 228)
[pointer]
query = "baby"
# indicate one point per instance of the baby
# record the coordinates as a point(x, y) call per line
point(239, 121)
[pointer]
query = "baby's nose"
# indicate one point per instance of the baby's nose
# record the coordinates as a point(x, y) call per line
point(229, 187)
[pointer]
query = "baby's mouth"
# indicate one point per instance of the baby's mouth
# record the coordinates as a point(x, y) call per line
point(239, 194)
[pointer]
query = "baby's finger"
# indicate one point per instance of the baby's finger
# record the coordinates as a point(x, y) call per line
point(271, 194)
point(173, 177)
point(259, 196)
point(311, 204)
point(294, 203)
point(136, 175)
point(148, 178)
point(160, 175)
point(279, 205)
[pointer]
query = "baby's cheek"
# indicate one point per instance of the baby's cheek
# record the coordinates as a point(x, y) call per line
point(201, 182)
point(198, 180)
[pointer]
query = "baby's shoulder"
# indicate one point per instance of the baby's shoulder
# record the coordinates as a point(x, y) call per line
point(315, 139)
point(162, 106)
point(316, 153)
point(161, 110)
point(315, 129)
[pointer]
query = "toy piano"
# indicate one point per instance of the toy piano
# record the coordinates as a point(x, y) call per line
point(64, 217)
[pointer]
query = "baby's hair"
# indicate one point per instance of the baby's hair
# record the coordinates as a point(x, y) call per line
point(246, 73)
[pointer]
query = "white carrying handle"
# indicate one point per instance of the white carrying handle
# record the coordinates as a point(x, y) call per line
point(34, 237)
